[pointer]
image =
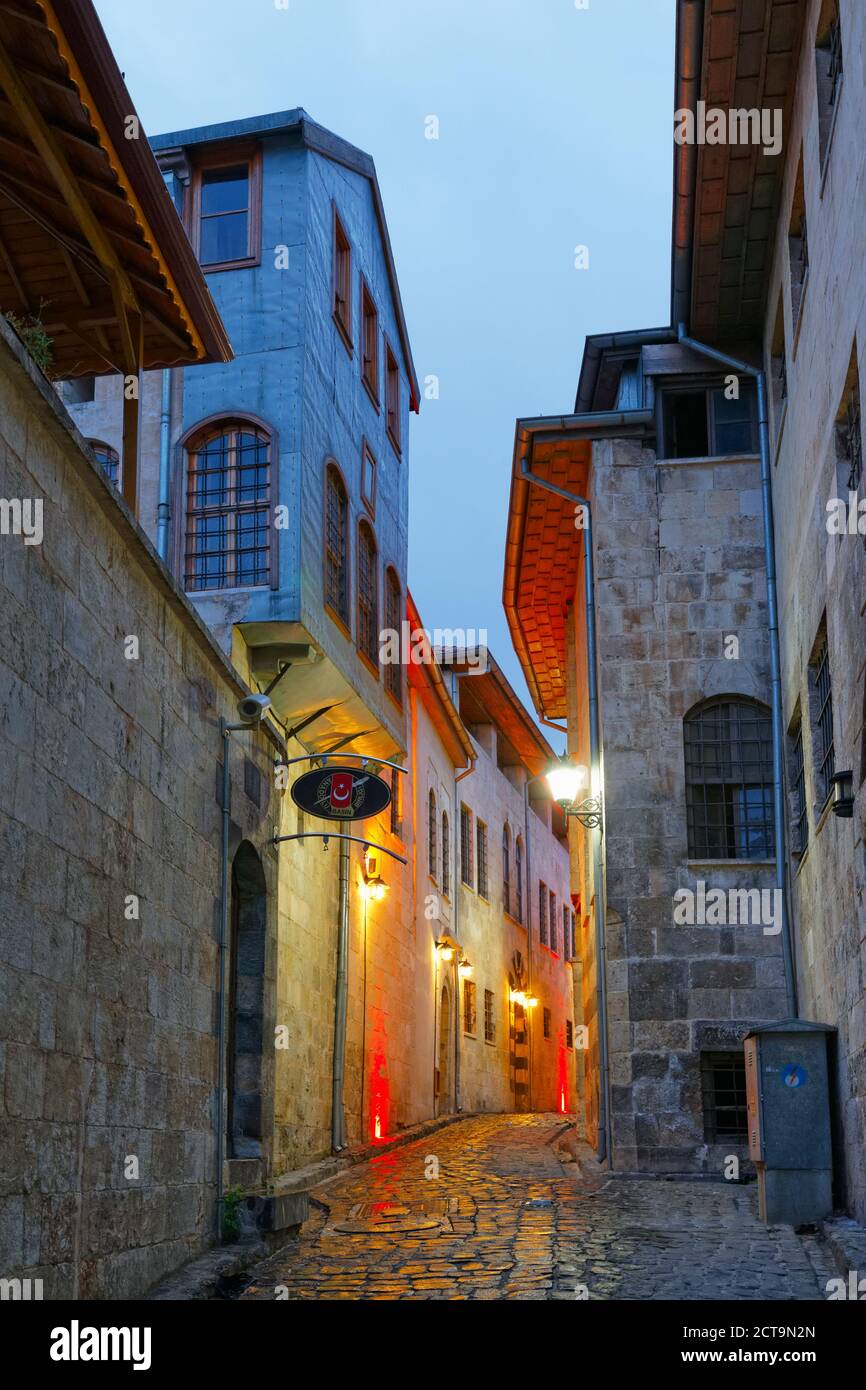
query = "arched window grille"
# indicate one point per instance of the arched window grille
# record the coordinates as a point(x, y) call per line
point(336, 545)
point(729, 779)
point(368, 595)
point(228, 532)
point(432, 847)
point(108, 458)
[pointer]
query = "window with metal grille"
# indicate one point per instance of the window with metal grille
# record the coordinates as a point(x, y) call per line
point(393, 611)
point(849, 437)
point(446, 856)
point(826, 751)
point(470, 1021)
point(552, 921)
point(569, 1033)
point(336, 545)
point(828, 71)
point(368, 595)
point(506, 869)
point(489, 1017)
point(723, 1090)
point(432, 847)
point(546, 1022)
point(228, 508)
point(729, 780)
point(481, 858)
point(518, 879)
point(108, 459)
point(542, 913)
point(801, 816)
point(466, 875)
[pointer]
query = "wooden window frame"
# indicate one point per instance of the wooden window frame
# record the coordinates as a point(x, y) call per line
point(371, 380)
point(341, 282)
point(489, 1018)
point(224, 157)
point(392, 375)
point(393, 588)
point(467, 847)
point(188, 444)
point(343, 622)
point(101, 446)
point(374, 667)
point(367, 453)
point(481, 857)
point(470, 1009)
point(432, 837)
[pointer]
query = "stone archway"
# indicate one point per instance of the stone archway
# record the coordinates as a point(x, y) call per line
point(245, 1034)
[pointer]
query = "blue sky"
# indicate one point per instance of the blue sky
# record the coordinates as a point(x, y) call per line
point(555, 128)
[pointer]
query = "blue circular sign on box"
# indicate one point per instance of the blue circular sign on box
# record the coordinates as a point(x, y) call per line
point(794, 1075)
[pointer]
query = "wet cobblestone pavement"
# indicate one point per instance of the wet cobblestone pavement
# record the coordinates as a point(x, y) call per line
point(505, 1219)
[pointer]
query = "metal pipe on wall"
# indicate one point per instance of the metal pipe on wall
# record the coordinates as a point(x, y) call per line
point(163, 512)
point(745, 369)
point(341, 1000)
point(225, 810)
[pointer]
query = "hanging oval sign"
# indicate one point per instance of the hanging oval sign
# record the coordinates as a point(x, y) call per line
point(341, 793)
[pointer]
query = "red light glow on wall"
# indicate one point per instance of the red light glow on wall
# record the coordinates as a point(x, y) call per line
point(380, 1087)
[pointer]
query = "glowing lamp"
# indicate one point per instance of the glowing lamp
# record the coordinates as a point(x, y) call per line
point(530, 1001)
point(566, 780)
point(465, 968)
point(375, 886)
point(445, 949)
point(843, 794)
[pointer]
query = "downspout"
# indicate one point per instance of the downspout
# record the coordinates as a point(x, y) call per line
point(458, 889)
point(744, 368)
point(338, 1121)
point(163, 512)
point(605, 1138)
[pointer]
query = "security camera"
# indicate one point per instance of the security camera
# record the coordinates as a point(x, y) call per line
point(253, 708)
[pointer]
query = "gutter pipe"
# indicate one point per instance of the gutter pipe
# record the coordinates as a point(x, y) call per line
point(338, 1119)
point(163, 513)
point(745, 369)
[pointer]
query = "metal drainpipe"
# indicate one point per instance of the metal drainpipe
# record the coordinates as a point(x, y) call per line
point(605, 1139)
point(338, 1122)
point(744, 368)
point(458, 888)
point(163, 513)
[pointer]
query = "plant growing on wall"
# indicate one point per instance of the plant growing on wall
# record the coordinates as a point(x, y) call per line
point(31, 331)
point(231, 1214)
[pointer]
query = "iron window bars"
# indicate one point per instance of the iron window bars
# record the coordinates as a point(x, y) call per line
point(824, 692)
point(723, 1088)
point(228, 505)
point(729, 781)
point(801, 822)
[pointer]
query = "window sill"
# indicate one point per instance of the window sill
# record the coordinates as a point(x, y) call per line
point(825, 161)
point(713, 458)
point(398, 704)
point(371, 667)
point(344, 333)
point(798, 323)
point(235, 588)
point(780, 430)
point(467, 1034)
point(801, 856)
point(372, 394)
point(247, 263)
point(730, 863)
point(395, 444)
point(338, 621)
point(821, 814)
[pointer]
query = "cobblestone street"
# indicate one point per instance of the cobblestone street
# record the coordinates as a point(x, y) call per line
point(505, 1219)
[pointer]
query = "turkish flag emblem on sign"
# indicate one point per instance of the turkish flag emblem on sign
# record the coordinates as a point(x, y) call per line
point(341, 791)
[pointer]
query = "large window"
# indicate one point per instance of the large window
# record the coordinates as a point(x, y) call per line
point(518, 878)
point(342, 282)
point(392, 396)
point(552, 921)
point(225, 212)
point(825, 747)
point(369, 342)
point(466, 873)
point(368, 595)
point(470, 1024)
point(506, 869)
point(828, 71)
point(108, 459)
point(489, 1017)
point(542, 913)
point(336, 545)
point(729, 780)
point(709, 420)
point(798, 787)
point(432, 845)
point(849, 432)
point(481, 858)
point(228, 531)
point(446, 855)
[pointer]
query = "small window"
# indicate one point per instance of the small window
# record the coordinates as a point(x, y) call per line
point(393, 615)
point(446, 855)
point(729, 780)
point(506, 869)
point(552, 922)
point(108, 458)
point(336, 545)
point(798, 788)
point(518, 878)
point(342, 282)
point(470, 1020)
point(542, 913)
point(228, 530)
point(547, 1023)
point(481, 858)
point(79, 390)
point(825, 748)
point(779, 370)
point(849, 432)
point(723, 1089)
point(569, 1034)
point(432, 847)
point(709, 421)
point(466, 873)
point(489, 1017)
point(798, 247)
point(392, 396)
point(368, 479)
point(225, 199)
point(369, 343)
point(828, 72)
point(368, 596)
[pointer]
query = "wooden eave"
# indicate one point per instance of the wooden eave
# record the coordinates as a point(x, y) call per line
point(427, 680)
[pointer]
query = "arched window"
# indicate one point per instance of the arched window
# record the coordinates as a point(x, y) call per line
point(518, 878)
point(368, 595)
point(393, 617)
point(228, 533)
point(432, 848)
point(108, 458)
point(446, 856)
point(729, 779)
point(506, 868)
point(336, 545)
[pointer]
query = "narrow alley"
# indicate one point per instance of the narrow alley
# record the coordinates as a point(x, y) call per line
point(505, 1218)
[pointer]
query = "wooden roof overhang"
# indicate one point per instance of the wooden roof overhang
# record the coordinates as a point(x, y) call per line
point(90, 242)
point(426, 678)
point(733, 55)
point(543, 551)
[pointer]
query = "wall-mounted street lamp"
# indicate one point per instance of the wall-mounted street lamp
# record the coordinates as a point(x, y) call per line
point(445, 949)
point(375, 886)
point(843, 794)
point(566, 781)
point(465, 968)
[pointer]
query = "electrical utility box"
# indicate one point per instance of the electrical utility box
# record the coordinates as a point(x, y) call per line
point(788, 1098)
